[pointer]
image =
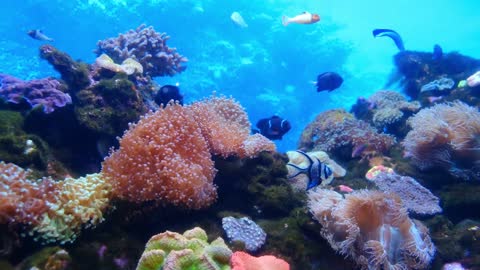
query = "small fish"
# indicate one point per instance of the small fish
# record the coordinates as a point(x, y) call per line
point(316, 171)
point(437, 52)
point(304, 18)
point(328, 81)
point(238, 19)
point(391, 34)
point(345, 188)
point(274, 127)
point(167, 93)
point(38, 35)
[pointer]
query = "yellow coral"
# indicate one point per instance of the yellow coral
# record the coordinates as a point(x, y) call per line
point(78, 202)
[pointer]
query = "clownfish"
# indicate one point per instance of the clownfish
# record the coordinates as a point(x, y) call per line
point(304, 18)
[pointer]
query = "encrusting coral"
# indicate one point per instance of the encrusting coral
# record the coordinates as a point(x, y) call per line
point(190, 250)
point(166, 156)
point(372, 228)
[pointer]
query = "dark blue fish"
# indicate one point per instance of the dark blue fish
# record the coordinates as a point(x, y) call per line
point(316, 171)
point(167, 93)
point(274, 127)
point(391, 34)
point(328, 81)
point(437, 52)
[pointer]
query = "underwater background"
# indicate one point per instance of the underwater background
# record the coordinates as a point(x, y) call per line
point(390, 159)
point(267, 67)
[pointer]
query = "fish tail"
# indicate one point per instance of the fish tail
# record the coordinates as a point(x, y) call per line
point(285, 21)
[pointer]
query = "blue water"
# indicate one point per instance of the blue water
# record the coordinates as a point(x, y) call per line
point(269, 68)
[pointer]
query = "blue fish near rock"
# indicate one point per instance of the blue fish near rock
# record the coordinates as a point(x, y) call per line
point(391, 34)
point(316, 171)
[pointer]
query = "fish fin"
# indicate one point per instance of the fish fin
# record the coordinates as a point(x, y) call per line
point(300, 170)
point(285, 21)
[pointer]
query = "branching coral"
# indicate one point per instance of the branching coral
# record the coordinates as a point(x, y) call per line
point(166, 156)
point(373, 229)
point(146, 46)
point(335, 128)
point(446, 136)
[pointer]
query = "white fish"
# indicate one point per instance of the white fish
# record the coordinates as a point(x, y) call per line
point(304, 18)
point(238, 19)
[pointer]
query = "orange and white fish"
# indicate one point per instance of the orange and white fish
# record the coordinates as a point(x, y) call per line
point(304, 18)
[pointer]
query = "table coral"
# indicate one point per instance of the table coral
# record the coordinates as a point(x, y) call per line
point(190, 250)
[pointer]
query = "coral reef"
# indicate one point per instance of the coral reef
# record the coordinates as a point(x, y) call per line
point(445, 136)
point(441, 84)
point(173, 143)
point(190, 250)
point(55, 210)
point(244, 230)
point(390, 107)
point(146, 46)
point(128, 66)
point(337, 128)
point(416, 198)
point(75, 74)
point(420, 68)
point(372, 228)
point(108, 106)
point(244, 261)
point(48, 92)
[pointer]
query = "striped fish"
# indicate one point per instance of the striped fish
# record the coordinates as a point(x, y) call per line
point(316, 171)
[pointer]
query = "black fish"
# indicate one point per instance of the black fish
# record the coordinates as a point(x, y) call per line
point(274, 127)
point(437, 52)
point(328, 81)
point(39, 35)
point(167, 93)
point(316, 171)
point(391, 34)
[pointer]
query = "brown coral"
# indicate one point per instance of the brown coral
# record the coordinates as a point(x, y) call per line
point(373, 229)
point(444, 135)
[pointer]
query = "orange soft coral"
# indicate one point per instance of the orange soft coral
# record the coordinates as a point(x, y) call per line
point(163, 157)
point(373, 229)
point(166, 156)
point(243, 261)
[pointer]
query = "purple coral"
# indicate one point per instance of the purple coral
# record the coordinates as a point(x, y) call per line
point(416, 198)
point(146, 46)
point(244, 230)
point(47, 92)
